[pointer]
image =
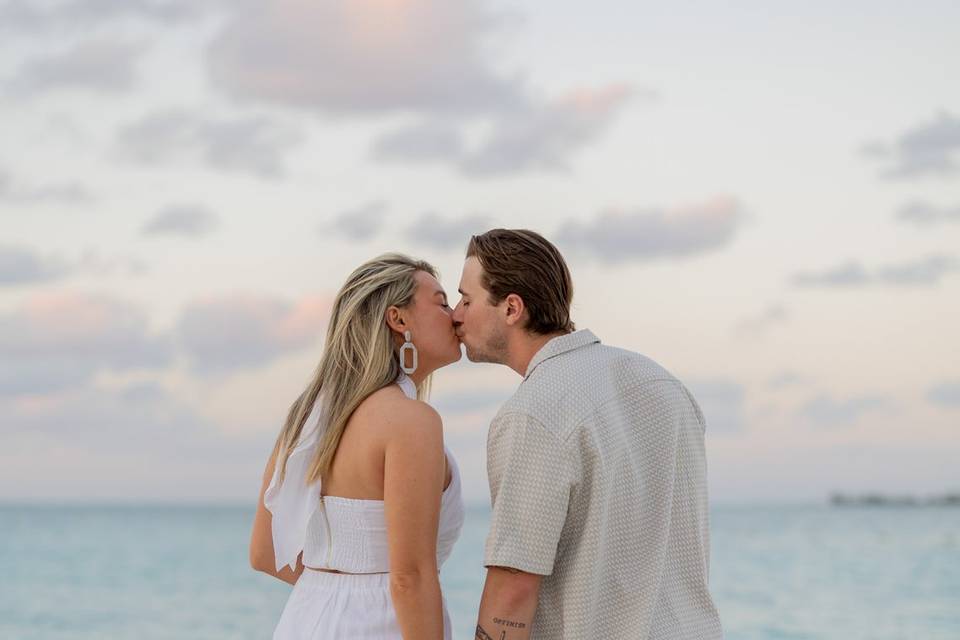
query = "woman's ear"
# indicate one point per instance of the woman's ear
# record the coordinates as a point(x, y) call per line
point(395, 320)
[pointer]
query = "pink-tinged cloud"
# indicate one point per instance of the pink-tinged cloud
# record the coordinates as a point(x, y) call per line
point(598, 100)
point(356, 56)
point(244, 330)
point(60, 340)
point(76, 324)
point(306, 320)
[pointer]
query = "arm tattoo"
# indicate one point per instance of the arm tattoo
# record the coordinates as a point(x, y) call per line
point(509, 623)
point(483, 635)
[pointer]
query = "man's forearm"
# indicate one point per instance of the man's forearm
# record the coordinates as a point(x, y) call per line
point(508, 605)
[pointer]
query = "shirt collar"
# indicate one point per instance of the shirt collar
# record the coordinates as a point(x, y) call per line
point(560, 345)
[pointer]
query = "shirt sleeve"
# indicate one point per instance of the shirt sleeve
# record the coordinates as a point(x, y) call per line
point(530, 483)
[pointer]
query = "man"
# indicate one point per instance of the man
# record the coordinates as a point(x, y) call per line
point(596, 466)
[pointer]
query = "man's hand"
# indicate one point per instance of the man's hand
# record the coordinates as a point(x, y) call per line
point(508, 604)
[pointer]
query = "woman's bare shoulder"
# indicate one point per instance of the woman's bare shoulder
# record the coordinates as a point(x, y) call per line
point(389, 408)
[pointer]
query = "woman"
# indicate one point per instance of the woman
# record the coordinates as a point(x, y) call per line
point(361, 502)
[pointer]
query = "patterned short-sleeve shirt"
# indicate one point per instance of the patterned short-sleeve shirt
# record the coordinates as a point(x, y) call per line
point(598, 483)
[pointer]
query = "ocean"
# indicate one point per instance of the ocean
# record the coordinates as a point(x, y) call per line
point(164, 572)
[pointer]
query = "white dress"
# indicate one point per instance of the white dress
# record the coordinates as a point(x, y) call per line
point(347, 535)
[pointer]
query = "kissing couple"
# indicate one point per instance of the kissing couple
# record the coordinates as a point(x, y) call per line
point(597, 469)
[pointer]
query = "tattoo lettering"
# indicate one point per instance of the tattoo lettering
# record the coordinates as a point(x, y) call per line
point(510, 623)
point(483, 635)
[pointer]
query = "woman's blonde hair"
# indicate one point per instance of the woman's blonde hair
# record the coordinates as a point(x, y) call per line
point(359, 356)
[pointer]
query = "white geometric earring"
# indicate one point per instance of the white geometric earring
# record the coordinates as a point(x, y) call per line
point(408, 346)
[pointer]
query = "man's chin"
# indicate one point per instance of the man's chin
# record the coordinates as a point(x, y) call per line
point(478, 357)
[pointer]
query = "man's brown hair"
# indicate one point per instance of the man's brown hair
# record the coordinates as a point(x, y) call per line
point(525, 263)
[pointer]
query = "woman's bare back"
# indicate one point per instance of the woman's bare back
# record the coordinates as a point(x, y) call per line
point(357, 469)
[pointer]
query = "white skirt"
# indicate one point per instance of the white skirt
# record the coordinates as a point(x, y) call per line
point(342, 607)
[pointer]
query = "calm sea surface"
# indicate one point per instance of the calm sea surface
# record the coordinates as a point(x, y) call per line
point(181, 572)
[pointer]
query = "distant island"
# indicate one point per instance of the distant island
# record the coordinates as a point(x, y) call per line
point(881, 500)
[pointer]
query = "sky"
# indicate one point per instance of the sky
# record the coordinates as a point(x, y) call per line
point(764, 198)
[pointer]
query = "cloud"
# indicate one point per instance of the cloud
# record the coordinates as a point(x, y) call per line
point(94, 65)
point(250, 144)
point(843, 275)
point(929, 148)
point(945, 394)
point(534, 138)
point(424, 59)
point(363, 56)
point(58, 193)
point(927, 271)
point(182, 220)
point(825, 410)
point(446, 234)
point(233, 332)
point(21, 265)
point(543, 138)
point(18, 17)
point(359, 223)
point(141, 421)
point(752, 326)
point(721, 402)
point(62, 339)
point(135, 443)
point(617, 236)
point(421, 142)
point(922, 213)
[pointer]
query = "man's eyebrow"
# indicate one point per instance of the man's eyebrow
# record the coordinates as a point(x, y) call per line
point(462, 292)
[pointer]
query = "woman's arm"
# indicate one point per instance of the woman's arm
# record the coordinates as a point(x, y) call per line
point(414, 468)
point(261, 538)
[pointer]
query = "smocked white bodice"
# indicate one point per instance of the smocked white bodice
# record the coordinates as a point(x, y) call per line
point(344, 534)
point(350, 535)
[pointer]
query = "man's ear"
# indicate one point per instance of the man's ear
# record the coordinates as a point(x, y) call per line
point(514, 308)
point(394, 318)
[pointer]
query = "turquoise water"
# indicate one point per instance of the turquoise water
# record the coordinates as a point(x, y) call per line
point(181, 572)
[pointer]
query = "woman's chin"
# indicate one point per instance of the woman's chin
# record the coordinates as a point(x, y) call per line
point(455, 355)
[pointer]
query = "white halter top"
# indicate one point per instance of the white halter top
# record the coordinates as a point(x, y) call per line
point(344, 534)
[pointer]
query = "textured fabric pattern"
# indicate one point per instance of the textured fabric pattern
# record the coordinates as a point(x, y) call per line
point(597, 475)
point(327, 606)
point(350, 535)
